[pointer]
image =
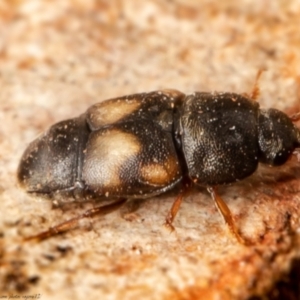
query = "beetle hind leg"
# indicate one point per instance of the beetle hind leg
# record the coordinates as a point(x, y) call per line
point(186, 186)
point(226, 214)
point(74, 222)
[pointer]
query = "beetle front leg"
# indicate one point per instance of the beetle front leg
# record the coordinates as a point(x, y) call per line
point(73, 223)
point(226, 213)
point(186, 186)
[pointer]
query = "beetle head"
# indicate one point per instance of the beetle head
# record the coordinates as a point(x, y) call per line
point(277, 136)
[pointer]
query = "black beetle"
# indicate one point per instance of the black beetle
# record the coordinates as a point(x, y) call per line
point(144, 144)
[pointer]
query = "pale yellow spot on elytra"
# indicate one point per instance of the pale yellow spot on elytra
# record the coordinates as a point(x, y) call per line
point(161, 173)
point(111, 111)
point(107, 152)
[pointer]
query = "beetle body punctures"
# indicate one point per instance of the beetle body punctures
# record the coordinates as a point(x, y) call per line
point(144, 144)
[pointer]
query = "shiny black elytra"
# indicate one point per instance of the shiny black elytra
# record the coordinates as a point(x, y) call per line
point(142, 145)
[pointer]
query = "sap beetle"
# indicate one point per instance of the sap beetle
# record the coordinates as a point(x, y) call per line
point(142, 145)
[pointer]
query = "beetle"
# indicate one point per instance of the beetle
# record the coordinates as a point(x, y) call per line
point(142, 145)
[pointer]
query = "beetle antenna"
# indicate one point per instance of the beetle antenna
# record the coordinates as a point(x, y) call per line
point(74, 222)
point(256, 90)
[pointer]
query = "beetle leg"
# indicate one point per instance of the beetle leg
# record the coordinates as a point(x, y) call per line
point(297, 154)
point(295, 117)
point(226, 213)
point(255, 90)
point(127, 211)
point(186, 186)
point(73, 223)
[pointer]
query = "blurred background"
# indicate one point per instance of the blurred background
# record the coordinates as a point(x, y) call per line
point(59, 57)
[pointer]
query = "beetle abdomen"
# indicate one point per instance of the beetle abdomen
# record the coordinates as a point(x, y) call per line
point(53, 161)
